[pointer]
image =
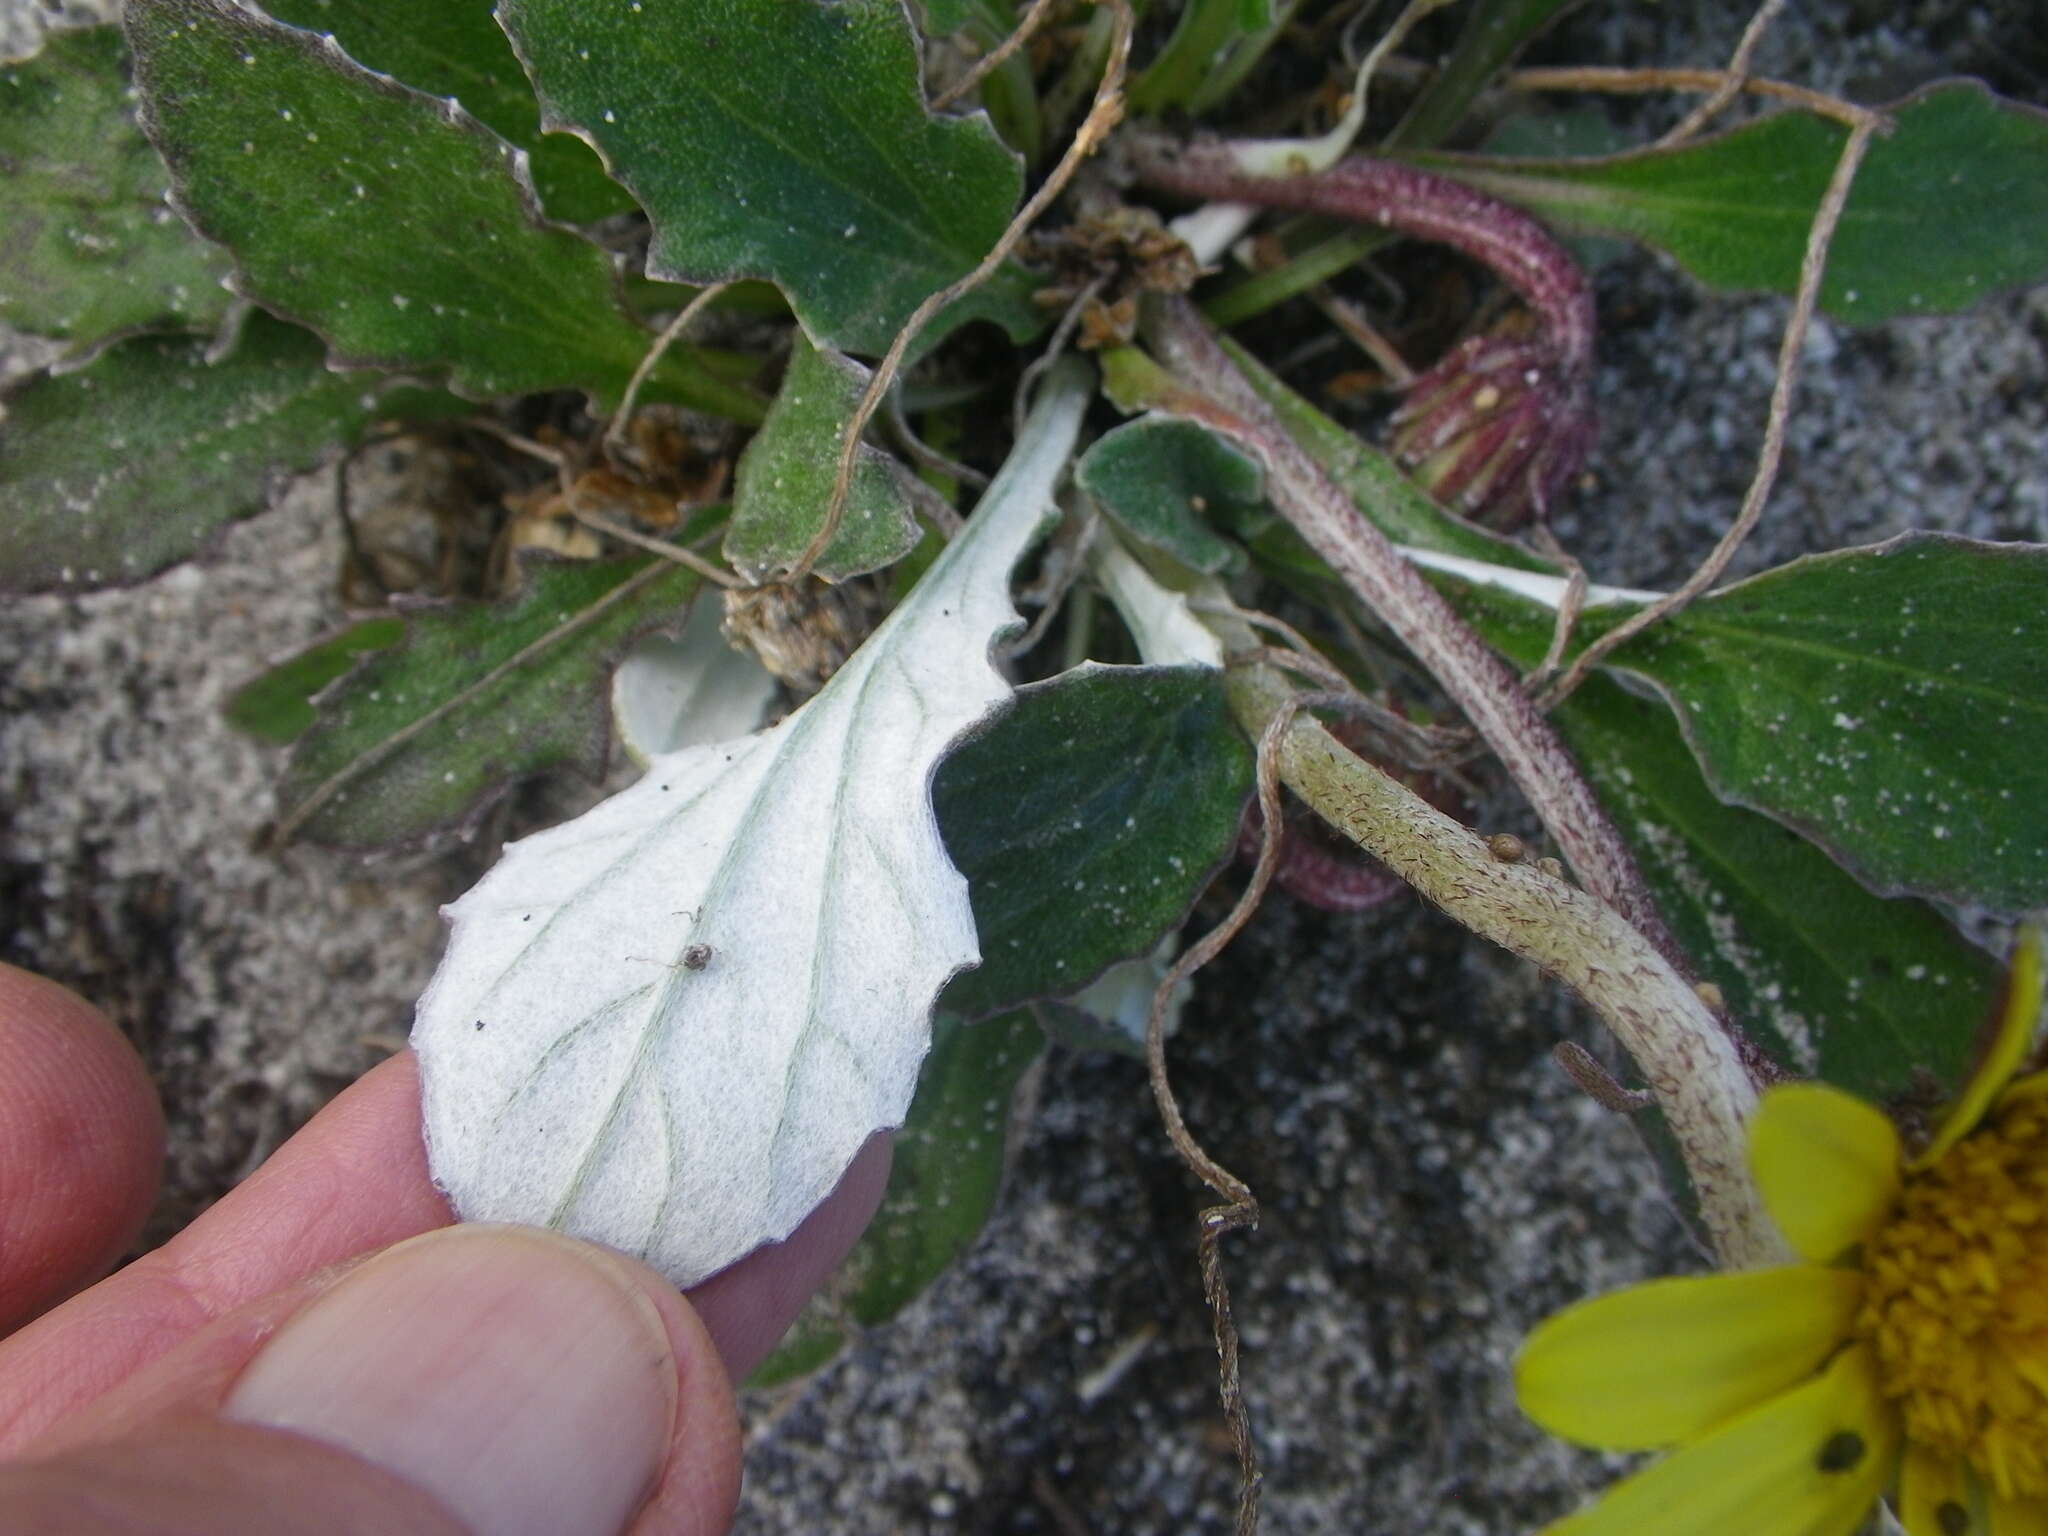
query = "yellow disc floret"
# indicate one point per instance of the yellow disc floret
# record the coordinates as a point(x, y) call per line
point(1956, 1305)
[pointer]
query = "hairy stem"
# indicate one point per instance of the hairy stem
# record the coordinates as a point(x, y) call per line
point(1478, 681)
point(1688, 1059)
point(1389, 195)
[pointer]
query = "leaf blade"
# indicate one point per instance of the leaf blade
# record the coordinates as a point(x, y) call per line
point(785, 479)
point(1087, 820)
point(943, 1182)
point(455, 48)
point(800, 150)
point(422, 737)
point(1949, 209)
point(389, 221)
point(678, 1058)
point(134, 462)
point(1865, 991)
point(1160, 475)
point(92, 248)
point(1929, 644)
point(277, 706)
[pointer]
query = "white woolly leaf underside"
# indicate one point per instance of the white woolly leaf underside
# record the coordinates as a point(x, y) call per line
point(668, 1025)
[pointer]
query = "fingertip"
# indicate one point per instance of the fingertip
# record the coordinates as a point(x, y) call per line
point(81, 1144)
point(749, 1307)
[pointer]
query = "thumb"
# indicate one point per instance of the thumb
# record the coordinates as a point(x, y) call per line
point(494, 1379)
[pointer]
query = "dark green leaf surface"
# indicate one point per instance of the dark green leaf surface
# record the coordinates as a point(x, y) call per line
point(455, 48)
point(1162, 476)
point(1860, 990)
point(1889, 702)
point(942, 18)
point(277, 707)
point(1847, 986)
point(91, 247)
point(785, 139)
point(420, 738)
point(387, 220)
point(1495, 32)
point(785, 480)
point(942, 1185)
point(109, 474)
point(1950, 208)
point(1086, 821)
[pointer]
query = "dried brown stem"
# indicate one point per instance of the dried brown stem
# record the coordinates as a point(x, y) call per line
point(1351, 320)
point(716, 574)
point(1055, 349)
point(1643, 82)
point(1733, 78)
point(1811, 269)
point(622, 418)
point(1239, 1210)
point(1102, 117)
point(993, 59)
point(924, 453)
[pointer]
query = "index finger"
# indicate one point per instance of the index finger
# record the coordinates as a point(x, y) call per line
point(352, 1181)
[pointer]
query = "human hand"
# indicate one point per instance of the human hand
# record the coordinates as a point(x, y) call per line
point(322, 1351)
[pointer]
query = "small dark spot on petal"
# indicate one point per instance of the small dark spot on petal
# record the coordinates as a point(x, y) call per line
point(1953, 1519)
point(1842, 1451)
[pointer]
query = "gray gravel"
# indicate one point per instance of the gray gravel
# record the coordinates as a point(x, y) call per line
point(1431, 1185)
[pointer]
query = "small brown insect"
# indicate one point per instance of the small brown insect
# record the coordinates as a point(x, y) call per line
point(1506, 847)
point(696, 957)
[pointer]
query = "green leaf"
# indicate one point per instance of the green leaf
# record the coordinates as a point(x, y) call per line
point(1889, 702)
point(1847, 986)
point(1161, 476)
point(1858, 989)
point(785, 139)
point(387, 220)
point(942, 18)
point(785, 480)
point(92, 246)
point(942, 1185)
point(1495, 32)
point(456, 48)
point(1086, 821)
point(1950, 208)
point(132, 463)
point(1205, 32)
point(1008, 92)
point(277, 707)
point(421, 738)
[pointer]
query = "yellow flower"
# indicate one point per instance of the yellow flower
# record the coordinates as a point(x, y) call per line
point(1907, 1357)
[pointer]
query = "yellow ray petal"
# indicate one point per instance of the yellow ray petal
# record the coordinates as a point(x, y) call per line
point(1811, 1462)
point(1934, 1496)
point(1659, 1363)
point(1826, 1164)
point(2008, 1047)
point(2018, 1517)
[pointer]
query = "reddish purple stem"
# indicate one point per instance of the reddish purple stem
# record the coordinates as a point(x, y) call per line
point(1514, 246)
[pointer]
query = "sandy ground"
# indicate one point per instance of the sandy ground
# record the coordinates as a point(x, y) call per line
point(1431, 1184)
